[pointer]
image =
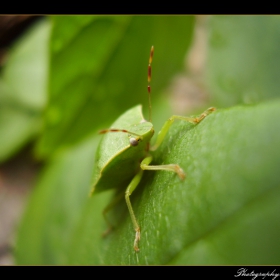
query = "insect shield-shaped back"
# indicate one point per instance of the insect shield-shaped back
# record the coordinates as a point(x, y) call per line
point(117, 160)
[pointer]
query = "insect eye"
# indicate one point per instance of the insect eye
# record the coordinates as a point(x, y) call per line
point(133, 141)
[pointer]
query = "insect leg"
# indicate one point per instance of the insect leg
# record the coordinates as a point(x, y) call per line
point(169, 122)
point(131, 187)
point(145, 165)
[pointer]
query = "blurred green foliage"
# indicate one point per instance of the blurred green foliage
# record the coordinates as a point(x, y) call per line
point(23, 90)
point(87, 70)
point(243, 61)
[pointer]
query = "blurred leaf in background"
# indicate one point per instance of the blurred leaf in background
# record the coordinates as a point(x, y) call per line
point(226, 211)
point(23, 90)
point(243, 59)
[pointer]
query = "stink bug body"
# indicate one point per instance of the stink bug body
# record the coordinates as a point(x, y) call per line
point(124, 153)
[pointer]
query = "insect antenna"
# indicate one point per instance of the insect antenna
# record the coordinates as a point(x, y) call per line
point(149, 82)
point(118, 130)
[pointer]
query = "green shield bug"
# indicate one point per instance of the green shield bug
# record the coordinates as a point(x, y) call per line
point(124, 153)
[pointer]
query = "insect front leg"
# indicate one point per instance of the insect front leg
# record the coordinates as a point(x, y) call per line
point(145, 165)
point(169, 122)
point(131, 187)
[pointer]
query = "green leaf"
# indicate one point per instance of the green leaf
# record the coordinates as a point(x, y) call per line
point(23, 86)
point(226, 211)
point(58, 199)
point(99, 69)
point(243, 61)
